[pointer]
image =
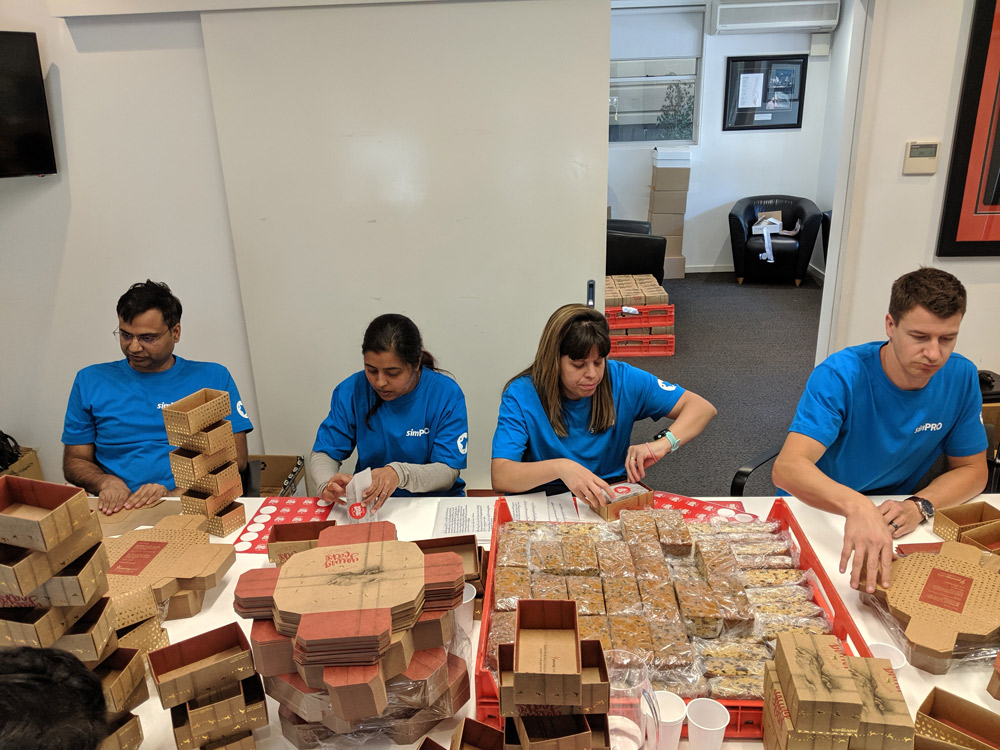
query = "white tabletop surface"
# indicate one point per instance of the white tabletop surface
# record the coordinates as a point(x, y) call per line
point(414, 519)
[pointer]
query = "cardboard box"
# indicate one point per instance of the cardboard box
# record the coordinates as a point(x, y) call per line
point(23, 571)
point(242, 741)
point(674, 268)
point(885, 719)
point(474, 735)
point(126, 734)
point(464, 546)
point(626, 497)
point(280, 475)
point(230, 710)
point(197, 503)
point(40, 515)
point(668, 201)
point(77, 583)
point(212, 439)
point(818, 687)
point(194, 413)
point(219, 480)
point(595, 690)
point(993, 687)
point(185, 603)
point(144, 636)
point(948, 718)
point(671, 178)
point(285, 539)
point(88, 636)
point(666, 225)
point(986, 537)
point(191, 668)
point(951, 523)
point(38, 627)
point(941, 598)
point(307, 734)
point(291, 691)
point(569, 732)
point(779, 732)
point(231, 518)
point(189, 466)
point(121, 674)
point(547, 663)
point(675, 246)
point(26, 466)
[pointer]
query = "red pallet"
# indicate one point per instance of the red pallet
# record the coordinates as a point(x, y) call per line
point(746, 717)
point(642, 346)
point(649, 315)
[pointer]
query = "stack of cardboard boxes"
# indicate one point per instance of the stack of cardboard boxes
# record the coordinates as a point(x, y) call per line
point(653, 326)
point(204, 462)
point(372, 659)
point(667, 204)
point(53, 585)
point(816, 698)
point(554, 688)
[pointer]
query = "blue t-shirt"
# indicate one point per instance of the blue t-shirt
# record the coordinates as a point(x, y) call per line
point(426, 426)
point(118, 410)
point(880, 439)
point(525, 434)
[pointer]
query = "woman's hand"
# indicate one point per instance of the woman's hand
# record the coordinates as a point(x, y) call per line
point(584, 484)
point(336, 488)
point(640, 457)
point(384, 483)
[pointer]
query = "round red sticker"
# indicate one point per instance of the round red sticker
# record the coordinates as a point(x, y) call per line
point(622, 490)
point(358, 510)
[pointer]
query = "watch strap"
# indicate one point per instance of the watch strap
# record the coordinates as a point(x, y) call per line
point(924, 505)
point(675, 444)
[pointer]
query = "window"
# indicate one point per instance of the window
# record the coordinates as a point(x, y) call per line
point(655, 63)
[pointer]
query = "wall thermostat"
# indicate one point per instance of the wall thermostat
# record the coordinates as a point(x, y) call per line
point(921, 157)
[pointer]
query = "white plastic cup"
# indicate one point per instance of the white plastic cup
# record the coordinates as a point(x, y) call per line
point(707, 721)
point(466, 609)
point(671, 708)
point(887, 651)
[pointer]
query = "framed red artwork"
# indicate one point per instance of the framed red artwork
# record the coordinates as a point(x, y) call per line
point(970, 224)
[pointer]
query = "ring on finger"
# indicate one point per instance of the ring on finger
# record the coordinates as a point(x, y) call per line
point(894, 525)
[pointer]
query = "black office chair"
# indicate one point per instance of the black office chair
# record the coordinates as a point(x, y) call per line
point(250, 476)
point(630, 226)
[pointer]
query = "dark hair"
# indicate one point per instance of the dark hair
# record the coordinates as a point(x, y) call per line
point(149, 295)
point(399, 335)
point(937, 290)
point(49, 701)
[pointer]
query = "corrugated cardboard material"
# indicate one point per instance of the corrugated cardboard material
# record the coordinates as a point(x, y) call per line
point(195, 502)
point(569, 732)
point(305, 734)
point(126, 734)
point(272, 651)
point(993, 687)
point(885, 719)
point(474, 735)
point(291, 691)
point(671, 178)
point(196, 412)
point(356, 692)
point(779, 732)
point(143, 636)
point(190, 668)
point(185, 603)
point(818, 687)
point(942, 598)
point(668, 201)
point(120, 674)
point(26, 466)
point(951, 523)
point(279, 475)
point(285, 539)
point(465, 547)
point(89, 635)
point(213, 438)
point(547, 665)
point(632, 497)
point(947, 718)
point(188, 466)
point(433, 629)
point(675, 247)
point(674, 267)
point(40, 515)
point(986, 537)
point(664, 225)
point(231, 518)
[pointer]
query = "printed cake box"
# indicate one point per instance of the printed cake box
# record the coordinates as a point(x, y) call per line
point(22, 571)
point(196, 412)
point(547, 663)
point(285, 539)
point(626, 496)
point(947, 718)
point(40, 515)
point(951, 523)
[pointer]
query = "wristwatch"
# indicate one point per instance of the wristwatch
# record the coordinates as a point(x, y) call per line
point(675, 442)
point(924, 506)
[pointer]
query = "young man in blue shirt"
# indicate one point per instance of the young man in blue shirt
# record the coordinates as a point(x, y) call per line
point(115, 443)
point(874, 418)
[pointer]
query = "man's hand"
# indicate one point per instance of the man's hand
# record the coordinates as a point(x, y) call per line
point(148, 494)
point(384, 483)
point(336, 488)
point(114, 496)
point(867, 536)
point(584, 484)
point(901, 516)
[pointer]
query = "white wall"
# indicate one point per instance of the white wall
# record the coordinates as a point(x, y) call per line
point(911, 92)
point(139, 194)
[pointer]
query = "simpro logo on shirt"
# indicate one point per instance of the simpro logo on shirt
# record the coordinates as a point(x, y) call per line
point(928, 426)
point(418, 433)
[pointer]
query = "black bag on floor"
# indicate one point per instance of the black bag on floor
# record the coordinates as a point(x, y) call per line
point(10, 451)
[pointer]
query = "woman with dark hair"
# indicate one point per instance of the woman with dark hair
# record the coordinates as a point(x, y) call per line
point(406, 418)
point(566, 420)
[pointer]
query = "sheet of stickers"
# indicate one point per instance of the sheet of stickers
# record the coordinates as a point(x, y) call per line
point(274, 510)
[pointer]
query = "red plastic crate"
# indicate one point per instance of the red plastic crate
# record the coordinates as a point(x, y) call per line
point(746, 717)
point(649, 315)
point(642, 346)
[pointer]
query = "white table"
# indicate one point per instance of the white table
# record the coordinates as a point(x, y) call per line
point(414, 519)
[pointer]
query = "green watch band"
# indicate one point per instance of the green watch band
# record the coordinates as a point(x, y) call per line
point(674, 442)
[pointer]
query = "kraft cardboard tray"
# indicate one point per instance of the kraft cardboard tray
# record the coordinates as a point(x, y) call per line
point(194, 413)
point(951, 523)
point(946, 718)
point(285, 539)
point(40, 515)
point(22, 571)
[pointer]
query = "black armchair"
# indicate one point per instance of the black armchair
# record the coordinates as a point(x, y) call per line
point(635, 254)
point(791, 254)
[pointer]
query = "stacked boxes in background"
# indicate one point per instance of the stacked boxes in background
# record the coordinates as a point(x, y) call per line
point(667, 204)
point(54, 586)
point(651, 332)
point(204, 462)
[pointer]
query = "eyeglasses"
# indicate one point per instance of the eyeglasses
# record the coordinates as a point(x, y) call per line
point(145, 339)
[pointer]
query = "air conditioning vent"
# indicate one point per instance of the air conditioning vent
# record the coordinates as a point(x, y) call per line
point(769, 16)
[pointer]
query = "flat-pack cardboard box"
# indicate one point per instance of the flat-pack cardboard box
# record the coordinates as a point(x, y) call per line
point(194, 413)
point(291, 691)
point(942, 598)
point(87, 638)
point(993, 687)
point(986, 537)
point(198, 665)
point(547, 664)
point(779, 732)
point(569, 732)
point(947, 718)
point(126, 734)
point(27, 466)
point(285, 539)
point(144, 636)
point(40, 515)
point(818, 686)
point(120, 675)
point(885, 719)
point(626, 496)
point(465, 546)
point(212, 439)
point(474, 735)
point(22, 571)
point(280, 475)
point(951, 523)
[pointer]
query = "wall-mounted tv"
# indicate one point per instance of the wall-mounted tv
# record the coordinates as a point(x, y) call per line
point(25, 135)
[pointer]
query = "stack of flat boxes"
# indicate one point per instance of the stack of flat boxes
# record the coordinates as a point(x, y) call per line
point(816, 698)
point(204, 462)
point(53, 582)
point(667, 204)
point(636, 291)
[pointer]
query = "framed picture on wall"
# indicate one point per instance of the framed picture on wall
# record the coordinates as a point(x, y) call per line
point(970, 221)
point(764, 92)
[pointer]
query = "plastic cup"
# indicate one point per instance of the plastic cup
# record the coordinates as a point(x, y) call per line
point(887, 651)
point(466, 609)
point(707, 721)
point(671, 708)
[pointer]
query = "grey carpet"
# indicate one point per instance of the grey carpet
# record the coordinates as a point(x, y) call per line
point(749, 350)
